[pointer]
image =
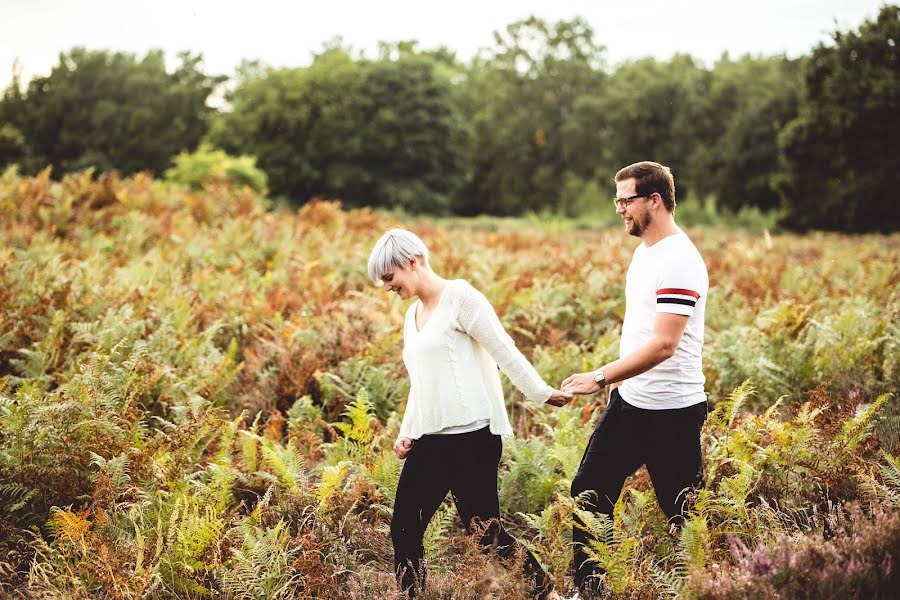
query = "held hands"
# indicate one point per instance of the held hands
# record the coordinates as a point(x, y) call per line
point(580, 383)
point(402, 447)
point(558, 398)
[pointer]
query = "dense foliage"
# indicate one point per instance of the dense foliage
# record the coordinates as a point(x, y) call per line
point(107, 110)
point(198, 397)
point(536, 122)
point(379, 133)
point(840, 148)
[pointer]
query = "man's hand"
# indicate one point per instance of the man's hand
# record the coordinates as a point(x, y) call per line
point(580, 383)
point(558, 398)
point(402, 447)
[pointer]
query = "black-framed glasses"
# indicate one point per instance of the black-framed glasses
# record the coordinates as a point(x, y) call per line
point(623, 202)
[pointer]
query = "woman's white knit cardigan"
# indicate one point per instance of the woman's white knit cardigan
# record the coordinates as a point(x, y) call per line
point(452, 364)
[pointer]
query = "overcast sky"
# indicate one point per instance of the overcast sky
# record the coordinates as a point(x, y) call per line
point(287, 33)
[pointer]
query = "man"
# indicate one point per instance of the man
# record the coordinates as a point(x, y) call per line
point(657, 404)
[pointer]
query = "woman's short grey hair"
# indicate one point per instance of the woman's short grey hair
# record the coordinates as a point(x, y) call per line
point(394, 250)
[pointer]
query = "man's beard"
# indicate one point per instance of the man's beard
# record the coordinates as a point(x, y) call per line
point(638, 229)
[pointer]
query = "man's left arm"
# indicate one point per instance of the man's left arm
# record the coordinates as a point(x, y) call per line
point(667, 331)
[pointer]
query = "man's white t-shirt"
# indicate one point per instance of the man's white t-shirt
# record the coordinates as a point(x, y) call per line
point(669, 277)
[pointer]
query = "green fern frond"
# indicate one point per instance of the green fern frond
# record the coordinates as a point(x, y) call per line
point(888, 491)
point(730, 408)
point(386, 473)
point(359, 416)
point(857, 429)
point(332, 479)
point(437, 530)
point(248, 445)
point(693, 543)
point(891, 470)
point(731, 502)
point(286, 464)
point(18, 498)
point(261, 567)
point(116, 469)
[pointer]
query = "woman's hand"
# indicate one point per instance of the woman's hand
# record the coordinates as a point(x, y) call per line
point(402, 447)
point(558, 398)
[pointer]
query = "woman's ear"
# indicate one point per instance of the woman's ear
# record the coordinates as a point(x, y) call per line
point(413, 263)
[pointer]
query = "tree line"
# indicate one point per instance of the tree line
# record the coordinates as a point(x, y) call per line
point(539, 121)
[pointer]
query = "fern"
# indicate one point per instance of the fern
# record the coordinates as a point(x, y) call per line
point(186, 534)
point(116, 469)
point(358, 429)
point(857, 429)
point(613, 548)
point(359, 416)
point(887, 491)
point(248, 444)
point(332, 478)
point(436, 532)
point(693, 547)
point(70, 528)
point(286, 464)
point(731, 503)
point(260, 568)
point(531, 478)
point(386, 473)
point(552, 544)
point(727, 411)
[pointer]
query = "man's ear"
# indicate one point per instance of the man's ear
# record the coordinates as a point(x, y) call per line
point(413, 263)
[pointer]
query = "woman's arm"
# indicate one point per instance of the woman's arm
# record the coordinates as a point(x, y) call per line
point(478, 319)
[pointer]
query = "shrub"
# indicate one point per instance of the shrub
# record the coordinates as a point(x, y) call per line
point(208, 164)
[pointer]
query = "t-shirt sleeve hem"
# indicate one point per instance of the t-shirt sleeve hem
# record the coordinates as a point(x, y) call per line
point(675, 309)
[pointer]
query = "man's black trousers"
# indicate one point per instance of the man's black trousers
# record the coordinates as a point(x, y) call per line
point(464, 464)
point(667, 441)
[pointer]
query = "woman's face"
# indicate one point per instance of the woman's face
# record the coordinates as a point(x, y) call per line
point(403, 281)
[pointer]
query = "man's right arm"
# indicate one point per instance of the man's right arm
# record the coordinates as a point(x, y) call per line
point(667, 331)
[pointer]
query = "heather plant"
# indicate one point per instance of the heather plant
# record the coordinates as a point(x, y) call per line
point(857, 560)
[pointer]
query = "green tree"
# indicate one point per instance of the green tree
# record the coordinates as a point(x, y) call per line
point(654, 111)
point(13, 146)
point(381, 133)
point(413, 141)
point(520, 100)
point(748, 103)
point(300, 124)
point(111, 111)
point(842, 167)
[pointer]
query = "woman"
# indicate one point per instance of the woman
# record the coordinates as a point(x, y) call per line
point(455, 415)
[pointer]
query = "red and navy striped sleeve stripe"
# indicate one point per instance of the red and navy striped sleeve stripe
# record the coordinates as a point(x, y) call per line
point(677, 296)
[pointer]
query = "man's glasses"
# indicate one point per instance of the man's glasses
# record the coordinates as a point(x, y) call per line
point(623, 202)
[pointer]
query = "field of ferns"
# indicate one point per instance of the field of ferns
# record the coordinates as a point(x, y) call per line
point(199, 394)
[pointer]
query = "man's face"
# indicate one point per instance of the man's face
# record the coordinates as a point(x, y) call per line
point(635, 213)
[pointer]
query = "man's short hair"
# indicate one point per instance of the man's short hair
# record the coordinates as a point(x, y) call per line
point(651, 177)
point(395, 248)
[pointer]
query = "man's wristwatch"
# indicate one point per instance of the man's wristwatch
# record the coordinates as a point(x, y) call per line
point(600, 378)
